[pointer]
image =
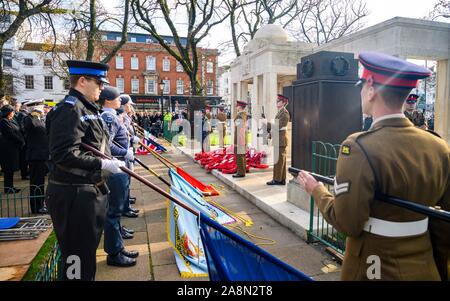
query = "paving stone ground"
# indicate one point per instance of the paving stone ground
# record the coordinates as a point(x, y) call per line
point(157, 261)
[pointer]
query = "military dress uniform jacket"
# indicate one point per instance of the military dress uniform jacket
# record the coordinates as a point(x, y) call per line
point(283, 120)
point(399, 160)
point(74, 121)
point(240, 122)
point(417, 118)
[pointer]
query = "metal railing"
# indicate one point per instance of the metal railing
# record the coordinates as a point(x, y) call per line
point(324, 158)
point(19, 204)
point(52, 268)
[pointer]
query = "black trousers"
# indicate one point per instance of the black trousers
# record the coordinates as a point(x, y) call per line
point(23, 163)
point(78, 214)
point(8, 180)
point(38, 170)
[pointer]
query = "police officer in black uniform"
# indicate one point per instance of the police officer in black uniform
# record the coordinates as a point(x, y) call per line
point(76, 194)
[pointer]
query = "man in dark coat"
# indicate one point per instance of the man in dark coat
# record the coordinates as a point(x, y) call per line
point(37, 155)
point(11, 143)
point(20, 114)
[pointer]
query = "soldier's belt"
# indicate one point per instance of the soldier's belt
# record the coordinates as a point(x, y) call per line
point(395, 229)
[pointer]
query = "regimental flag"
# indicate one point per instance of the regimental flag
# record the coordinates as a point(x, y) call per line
point(153, 140)
point(151, 145)
point(183, 227)
point(232, 258)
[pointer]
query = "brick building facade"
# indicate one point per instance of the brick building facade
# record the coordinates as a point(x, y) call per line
point(141, 64)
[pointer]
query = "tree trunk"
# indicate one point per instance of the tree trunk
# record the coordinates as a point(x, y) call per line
point(92, 31)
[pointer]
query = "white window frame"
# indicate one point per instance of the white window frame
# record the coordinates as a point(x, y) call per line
point(46, 77)
point(32, 82)
point(180, 86)
point(133, 39)
point(135, 86)
point(166, 65)
point(166, 86)
point(134, 63)
point(150, 63)
point(209, 67)
point(119, 62)
point(120, 87)
point(147, 86)
point(179, 67)
point(210, 87)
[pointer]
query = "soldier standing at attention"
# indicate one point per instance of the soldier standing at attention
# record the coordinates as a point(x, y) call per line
point(393, 158)
point(76, 193)
point(415, 116)
point(279, 169)
point(239, 139)
point(222, 117)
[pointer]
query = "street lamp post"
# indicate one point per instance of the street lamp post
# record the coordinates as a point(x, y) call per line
point(162, 84)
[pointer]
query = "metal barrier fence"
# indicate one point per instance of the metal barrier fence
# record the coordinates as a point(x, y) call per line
point(324, 158)
point(19, 203)
point(52, 267)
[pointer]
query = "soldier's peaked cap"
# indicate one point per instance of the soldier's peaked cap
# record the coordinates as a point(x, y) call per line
point(412, 98)
point(241, 103)
point(87, 68)
point(282, 98)
point(391, 71)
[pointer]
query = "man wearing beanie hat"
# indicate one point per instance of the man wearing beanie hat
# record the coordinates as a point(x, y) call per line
point(77, 193)
point(393, 158)
point(117, 183)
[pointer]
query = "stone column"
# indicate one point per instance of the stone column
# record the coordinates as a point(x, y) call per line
point(442, 104)
point(270, 90)
point(256, 111)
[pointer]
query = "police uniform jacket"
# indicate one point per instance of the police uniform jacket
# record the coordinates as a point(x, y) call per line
point(117, 132)
point(11, 142)
point(74, 121)
point(240, 122)
point(398, 160)
point(283, 120)
point(36, 138)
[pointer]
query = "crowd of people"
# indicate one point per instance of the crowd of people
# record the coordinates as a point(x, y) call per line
point(153, 121)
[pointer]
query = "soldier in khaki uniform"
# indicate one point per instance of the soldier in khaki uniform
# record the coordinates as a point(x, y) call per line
point(239, 139)
point(222, 124)
point(415, 116)
point(394, 158)
point(279, 169)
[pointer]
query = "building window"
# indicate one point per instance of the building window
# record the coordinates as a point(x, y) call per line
point(28, 62)
point(180, 86)
point(151, 63)
point(104, 37)
point(118, 39)
point(179, 67)
point(210, 87)
point(166, 64)
point(120, 84)
point(209, 67)
point(150, 86)
point(7, 59)
point(29, 82)
point(133, 39)
point(48, 63)
point(166, 86)
point(48, 82)
point(119, 62)
point(66, 84)
point(135, 85)
point(134, 63)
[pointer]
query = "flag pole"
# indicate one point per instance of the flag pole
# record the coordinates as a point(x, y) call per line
point(146, 167)
point(143, 181)
point(158, 156)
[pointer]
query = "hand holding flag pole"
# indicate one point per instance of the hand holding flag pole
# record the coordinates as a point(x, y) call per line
point(418, 208)
point(146, 167)
point(143, 180)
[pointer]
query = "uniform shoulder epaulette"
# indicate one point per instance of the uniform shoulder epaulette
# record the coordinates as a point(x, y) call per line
point(72, 100)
